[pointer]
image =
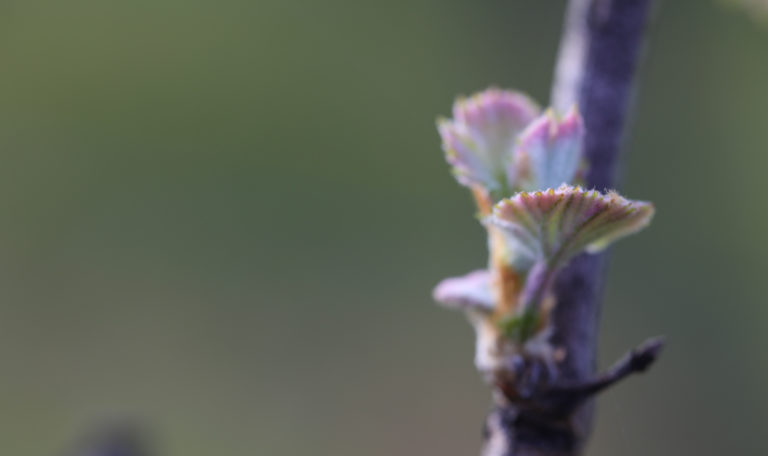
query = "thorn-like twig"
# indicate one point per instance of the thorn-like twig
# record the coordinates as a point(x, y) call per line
point(637, 360)
point(530, 390)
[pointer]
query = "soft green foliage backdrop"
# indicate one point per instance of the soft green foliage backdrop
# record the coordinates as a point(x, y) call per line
point(226, 218)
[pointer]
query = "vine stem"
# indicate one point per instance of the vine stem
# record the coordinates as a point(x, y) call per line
point(598, 58)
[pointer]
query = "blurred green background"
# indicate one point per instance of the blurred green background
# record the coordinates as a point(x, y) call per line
point(225, 219)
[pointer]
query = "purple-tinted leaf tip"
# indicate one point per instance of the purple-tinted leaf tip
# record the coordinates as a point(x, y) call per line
point(549, 151)
point(472, 291)
point(479, 141)
point(555, 225)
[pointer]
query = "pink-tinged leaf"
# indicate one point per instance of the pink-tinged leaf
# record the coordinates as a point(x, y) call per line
point(472, 291)
point(549, 151)
point(479, 141)
point(555, 225)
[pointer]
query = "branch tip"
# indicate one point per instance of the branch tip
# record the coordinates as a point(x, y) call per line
point(646, 353)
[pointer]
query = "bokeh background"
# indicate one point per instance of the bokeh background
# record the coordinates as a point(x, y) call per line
point(224, 219)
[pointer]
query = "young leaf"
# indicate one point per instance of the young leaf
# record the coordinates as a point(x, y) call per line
point(549, 151)
point(479, 141)
point(472, 291)
point(554, 225)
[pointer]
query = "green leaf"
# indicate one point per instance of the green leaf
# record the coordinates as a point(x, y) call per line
point(479, 142)
point(549, 151)
point(555, 225)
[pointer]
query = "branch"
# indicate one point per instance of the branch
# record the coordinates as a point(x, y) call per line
point(598, 58)
point(609, 36)
point(636, 361)
point(538, 423)
point(566, 397)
